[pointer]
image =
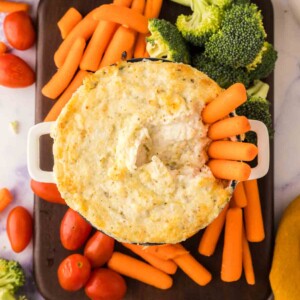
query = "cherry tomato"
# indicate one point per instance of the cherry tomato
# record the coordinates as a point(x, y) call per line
point(73, 272)
point(99, 249)
point(47, 191)
point(15, 72)
point(74, 230)
point(19, 228)
point(19, 30)
point(105, 284)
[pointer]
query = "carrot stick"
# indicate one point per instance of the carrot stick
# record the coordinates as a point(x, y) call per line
point(8, 7)
point(138, 5)
point(231, 268)
point(212, 233)
point(120, 47)
point(122, 15)
point(146, 54)
point(136, 269)
point(84, 29)
point(230, 170)
point(97, 45)
point(228, 127)
point(167, 266)
point(68, 21)
point(153, 8)
point(5, 198)
point(190, 266)
point(166, 251)
point(140, 46)
point(253, 216)
point(61, 79)
point(247, 261)
point(239, 196)
point(225, 103)
point(125, 3)
point(65, 96)
point(232, 150)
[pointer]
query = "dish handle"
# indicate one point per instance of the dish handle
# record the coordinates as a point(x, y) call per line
point(36, 173)
point(263, 145)
point(33, 153)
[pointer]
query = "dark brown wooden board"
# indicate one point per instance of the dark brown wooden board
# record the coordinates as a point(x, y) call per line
point(48, 252)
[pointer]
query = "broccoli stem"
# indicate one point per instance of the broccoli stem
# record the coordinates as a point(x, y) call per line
point(259, 89)
point(184, 2)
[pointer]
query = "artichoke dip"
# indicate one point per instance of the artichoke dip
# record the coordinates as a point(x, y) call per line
point(130, 152)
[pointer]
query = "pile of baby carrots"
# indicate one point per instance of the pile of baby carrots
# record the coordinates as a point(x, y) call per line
point(163, 261)
point(244, 205)
point(227, 156)
point(108, 34)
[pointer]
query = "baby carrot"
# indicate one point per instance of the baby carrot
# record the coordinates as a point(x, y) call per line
point(167, 251)
point(97, 45)
point(225, 103)
point(239, 196)
point(8, 7)
point(230, 170)
point(122, 15)
point(66, 96)
point(247, 261)
point(212, 233)
point(126, 3)
point(140, 46)
point(68, 21)
point(253, 216)
point(136, 269)
point(138, 5)
point(190, 266)
point(61, 79)
point(231, 268)
point(232, 150)
point(167, 266)
point(228, 127)
point(3, 48)
point(83, 29)
point(5, 198)
point(153, 8)
point(120, 47)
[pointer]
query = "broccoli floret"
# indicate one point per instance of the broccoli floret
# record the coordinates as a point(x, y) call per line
point(225, 76)
point(264, 63)
point(257, 107)
point(202, 23)
point(221, 3)
point(240, 37)
point(6, 294)
point(12, 276)
point(166, 42)
point(241, 2)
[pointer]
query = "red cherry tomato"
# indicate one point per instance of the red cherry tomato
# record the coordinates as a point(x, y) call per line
point(74, 230)
point(99, 249)
point(15, 72)
point(19, 30)
point(47, 191)
point(73, 272)
point(19, 228)
point(105, 284)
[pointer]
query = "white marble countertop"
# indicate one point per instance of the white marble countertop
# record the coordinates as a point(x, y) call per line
point(18, 104)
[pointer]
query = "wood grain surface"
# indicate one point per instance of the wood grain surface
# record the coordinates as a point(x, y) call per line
point(48, 252)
